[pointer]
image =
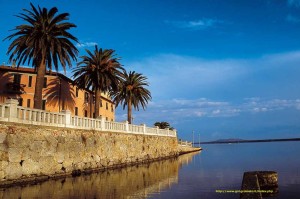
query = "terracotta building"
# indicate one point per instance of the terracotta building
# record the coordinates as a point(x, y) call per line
point(59, 93)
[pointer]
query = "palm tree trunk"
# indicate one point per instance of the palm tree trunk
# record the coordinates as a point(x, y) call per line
point(129, 110)
point(39, 84)
point(97, 102)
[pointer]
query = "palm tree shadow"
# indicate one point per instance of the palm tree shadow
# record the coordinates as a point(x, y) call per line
point(4, 78)
point(60, 93)
point(87, 106)
point(9, 88)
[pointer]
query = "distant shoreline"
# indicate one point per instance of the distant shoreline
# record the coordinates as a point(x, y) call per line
point(247, 141)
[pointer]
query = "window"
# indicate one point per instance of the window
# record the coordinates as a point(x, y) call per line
point(112, 108)
point(101, 103)
point(45, 82)
point(44, 105)
point(28, 103)
point(29, 81)
point(17, 78)
point(94, 115)
point(86, 97)
point(76, 110)
point(85, 113)
point(106, 106)
point(20, 101)
point(76, 93)
point(106, 118)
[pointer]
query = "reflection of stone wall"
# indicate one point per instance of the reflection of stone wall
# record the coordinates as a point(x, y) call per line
point(27, 150)
point(130, 182)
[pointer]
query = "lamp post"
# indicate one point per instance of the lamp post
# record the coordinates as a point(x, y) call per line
point(193, 140)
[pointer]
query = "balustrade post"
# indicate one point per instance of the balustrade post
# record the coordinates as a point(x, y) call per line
point(12, 112)
point(126, 126)
point(68, 118)
point(144, 128)
point(24, 114)
point(157, 130)
point(102, 124)
point(167, 131)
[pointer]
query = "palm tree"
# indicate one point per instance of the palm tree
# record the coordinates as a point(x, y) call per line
point(132, 91)
point(99, 71)
point(163, 125)
point(44, 41)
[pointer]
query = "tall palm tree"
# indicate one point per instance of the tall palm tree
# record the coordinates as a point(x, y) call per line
point(44, 41)
point(99, 71)
point(132, 92)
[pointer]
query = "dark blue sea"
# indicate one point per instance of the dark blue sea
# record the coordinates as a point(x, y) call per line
point(194, 175)
point(221, 167)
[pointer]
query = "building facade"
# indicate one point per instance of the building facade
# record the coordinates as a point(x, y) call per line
point(59, 93)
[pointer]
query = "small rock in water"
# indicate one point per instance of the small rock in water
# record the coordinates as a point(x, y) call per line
point(258, 184)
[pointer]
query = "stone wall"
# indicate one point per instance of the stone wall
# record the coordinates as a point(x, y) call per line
point(187, 149)
point(28, 151)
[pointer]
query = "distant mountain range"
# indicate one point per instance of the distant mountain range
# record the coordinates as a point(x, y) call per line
point(236, 140)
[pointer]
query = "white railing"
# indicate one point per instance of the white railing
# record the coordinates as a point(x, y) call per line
point(11, 112)
point(39, 117)
point(136, 129)
point(185, 143)
point(3, 110)
point(115, 126)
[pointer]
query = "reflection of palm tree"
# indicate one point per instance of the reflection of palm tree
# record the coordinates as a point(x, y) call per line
point(99, 71)
point(132, 91)
point(45, 41)
point(60, 93)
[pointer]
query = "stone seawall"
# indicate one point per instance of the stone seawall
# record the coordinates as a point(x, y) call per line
point(28, 151)
point(187, 149)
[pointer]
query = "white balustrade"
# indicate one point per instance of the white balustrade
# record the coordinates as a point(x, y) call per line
point(185, 143)
point(11, 112)
point(150, 131)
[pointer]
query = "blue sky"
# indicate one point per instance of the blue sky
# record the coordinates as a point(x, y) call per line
point(224, 69)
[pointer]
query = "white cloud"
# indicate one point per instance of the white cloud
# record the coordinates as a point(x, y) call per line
point(295, 3)
point(174, 75)
point(199, 113)
point(86, 44)
point(216, 112)
point(292, 19)
point(177, 76)
point(202, 102)
point(175, 110)
point(260, 105)
point(196, 24)
point(190, 88)
point(298, 104)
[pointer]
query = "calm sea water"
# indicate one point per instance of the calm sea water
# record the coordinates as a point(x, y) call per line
point(196, 175)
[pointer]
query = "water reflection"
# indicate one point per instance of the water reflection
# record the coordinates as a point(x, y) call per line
point(130, 182)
